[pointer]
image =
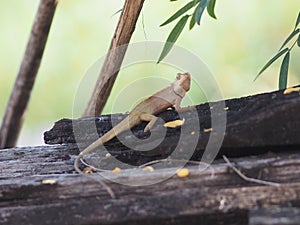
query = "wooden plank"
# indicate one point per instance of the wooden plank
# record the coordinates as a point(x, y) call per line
point(202, 197)
point(275, 216)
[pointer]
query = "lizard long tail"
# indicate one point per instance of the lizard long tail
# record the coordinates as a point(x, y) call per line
point(125, 124)
point(121, 127)
point(85, 151)
point(88, 149)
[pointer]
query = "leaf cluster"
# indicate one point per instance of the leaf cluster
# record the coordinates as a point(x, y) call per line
point(284, 68)
point(198, 7)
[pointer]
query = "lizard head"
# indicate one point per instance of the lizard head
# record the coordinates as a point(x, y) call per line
point(183, 83)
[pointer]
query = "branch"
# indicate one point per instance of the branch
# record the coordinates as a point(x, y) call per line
point(113, 61)
point(17, 104)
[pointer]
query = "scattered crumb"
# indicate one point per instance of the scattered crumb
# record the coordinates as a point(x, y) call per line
point(184, 172)
point(88, 170)
point(207, 130)
point(116, 170)
point(148, 169)
point(175, 123)
point(290, 90)
point(107, 155)
point(49, 181)
point(226, 108)
point(193, 133)
point(222, 204)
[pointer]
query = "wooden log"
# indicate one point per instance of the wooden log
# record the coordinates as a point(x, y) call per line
point(254, 124)
point(214, 196)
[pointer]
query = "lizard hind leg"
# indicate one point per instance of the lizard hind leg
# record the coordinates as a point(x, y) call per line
point(150, 118)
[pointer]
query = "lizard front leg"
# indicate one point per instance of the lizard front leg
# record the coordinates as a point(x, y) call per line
point(177, 104)
point(150, 118)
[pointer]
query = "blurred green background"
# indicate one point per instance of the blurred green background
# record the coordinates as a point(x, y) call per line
point(234, 47)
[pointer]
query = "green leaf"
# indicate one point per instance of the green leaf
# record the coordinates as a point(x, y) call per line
point(293, 34)
point(284, 69)
point(120, 10)
point(297, 21)
point(192, 21)
point(173, 36)
point(211, 8)
point(199, 10)
point(181, 11)
point(298, 41)
point(271, 61)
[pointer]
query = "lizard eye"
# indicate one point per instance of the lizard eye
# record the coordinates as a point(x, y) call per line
point(178, 76)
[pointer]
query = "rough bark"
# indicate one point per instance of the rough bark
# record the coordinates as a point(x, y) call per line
point(114, 58)
point(17, 104)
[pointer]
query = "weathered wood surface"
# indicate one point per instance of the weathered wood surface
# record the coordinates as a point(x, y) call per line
point(267, 123)
point(275, 216)
point(203, 197)
point(254, 124)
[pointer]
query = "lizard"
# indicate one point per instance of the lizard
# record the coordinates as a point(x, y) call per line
point(170, 96)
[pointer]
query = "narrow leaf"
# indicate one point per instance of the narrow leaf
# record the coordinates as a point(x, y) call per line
point(284, 71)
point(199, 10)
point(120, 10)
point(192, 21)
point(293, 34)
point(173, 36)
point(271, 61)
point(298, 41)
point(211, 8)
point(180, 12)
point(297, 21)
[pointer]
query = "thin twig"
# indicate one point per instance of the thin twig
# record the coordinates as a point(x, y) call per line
point(101, 182)
point(238, 172)
point(143, 24)
point(20, 95)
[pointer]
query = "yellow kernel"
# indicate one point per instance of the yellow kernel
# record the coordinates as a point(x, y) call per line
point(226, 108)
point(116, 170)
point(193, 133)
point(290, 90)
point(175, 123)
point(207, 130)
point(184, 172)
point(88, 170)
point(148, 169)
point(49, 181)
point(107, 155)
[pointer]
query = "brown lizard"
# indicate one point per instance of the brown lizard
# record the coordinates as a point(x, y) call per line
point(144, 111)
